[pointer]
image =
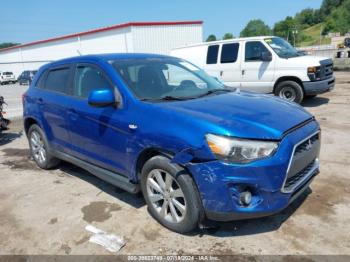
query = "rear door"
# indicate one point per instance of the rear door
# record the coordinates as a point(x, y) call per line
point(257, 75)
point(211, 61)
point(52, 102)
point(99, 135)
point(230, 65)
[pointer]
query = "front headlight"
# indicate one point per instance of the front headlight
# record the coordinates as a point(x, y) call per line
point(237, 150)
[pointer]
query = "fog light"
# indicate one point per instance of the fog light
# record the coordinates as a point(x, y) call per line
point(245, 198)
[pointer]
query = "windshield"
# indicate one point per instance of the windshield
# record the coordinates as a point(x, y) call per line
point(165, 78)
point(282, 48)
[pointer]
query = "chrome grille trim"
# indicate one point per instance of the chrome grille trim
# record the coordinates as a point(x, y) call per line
point(306, 176)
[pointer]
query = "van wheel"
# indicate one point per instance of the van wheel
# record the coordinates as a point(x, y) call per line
point(39, 148)
point(290, 91)
point(171, 195)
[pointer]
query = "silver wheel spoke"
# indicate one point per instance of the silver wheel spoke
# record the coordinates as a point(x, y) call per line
point(178, 205)
point(155, 197)
point(174, 215)
point(34, 142)
point(168, 181)
point(153, 184)
point(164, 210)
point(159, 178)
point(176, 193)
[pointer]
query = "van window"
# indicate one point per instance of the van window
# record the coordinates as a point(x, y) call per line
point(229, 53)
point(212, 55)
point(57, 80)
point(88, 78)
point(254, 50)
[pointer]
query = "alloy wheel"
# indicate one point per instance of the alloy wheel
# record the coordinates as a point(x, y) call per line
point(166, 196)
point(38, 147)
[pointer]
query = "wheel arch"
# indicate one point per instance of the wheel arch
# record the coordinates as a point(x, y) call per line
point(28, 122)
point(146, 155)
point(288, 78)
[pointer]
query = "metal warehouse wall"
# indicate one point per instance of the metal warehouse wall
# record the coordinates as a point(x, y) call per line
point(148, 39)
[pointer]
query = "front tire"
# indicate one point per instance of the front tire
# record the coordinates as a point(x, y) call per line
point(171, 195)
point(290, 91)
point(39, 148)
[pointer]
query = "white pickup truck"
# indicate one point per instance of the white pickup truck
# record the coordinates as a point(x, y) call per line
point(265, 64)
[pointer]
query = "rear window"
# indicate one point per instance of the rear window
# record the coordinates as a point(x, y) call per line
point(7, 73)
point(212, 55)
point(57, 80)
point(229, 53)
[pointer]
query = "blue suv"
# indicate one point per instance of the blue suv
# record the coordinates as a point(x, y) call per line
point(158, 124)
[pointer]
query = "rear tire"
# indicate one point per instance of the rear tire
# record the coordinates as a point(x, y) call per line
point(39, 148)
point(290, 91)
point(171, 195)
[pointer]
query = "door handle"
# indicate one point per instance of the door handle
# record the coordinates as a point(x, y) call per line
point(243, 72)
point(40, 101)
point(221, 73)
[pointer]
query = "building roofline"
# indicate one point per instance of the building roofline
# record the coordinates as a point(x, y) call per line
point(103, 29)
point(251, 38)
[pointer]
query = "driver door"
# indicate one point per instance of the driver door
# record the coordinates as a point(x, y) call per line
point(257, 75)
point(98, 135)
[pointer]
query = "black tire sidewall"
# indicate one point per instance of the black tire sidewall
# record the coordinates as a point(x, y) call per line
point(188, 187)
point(297, 88)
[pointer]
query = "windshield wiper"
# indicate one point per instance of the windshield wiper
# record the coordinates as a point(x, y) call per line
point(214, 91)
point(165, 98)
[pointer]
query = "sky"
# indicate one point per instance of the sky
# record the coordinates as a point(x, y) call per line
point(26, 21)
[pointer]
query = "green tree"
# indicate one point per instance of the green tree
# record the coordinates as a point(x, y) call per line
point(285, 28)
point(211, 38)
point(306, 18)
point(339, 19)
point(255, 27)
point(227, 36)
point(7, 44)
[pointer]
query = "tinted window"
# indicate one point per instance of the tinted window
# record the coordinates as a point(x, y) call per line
point(212, 55)
point(254, 50)
point(57, 80)
point(88, 78)
point(229, 53)
point(40, 83)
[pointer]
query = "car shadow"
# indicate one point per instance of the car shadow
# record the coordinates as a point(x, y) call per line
point(254, 226)
point(315, 101)
point(135, 200)
point(8, 137)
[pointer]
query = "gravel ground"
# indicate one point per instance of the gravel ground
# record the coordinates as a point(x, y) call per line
point(45, 212)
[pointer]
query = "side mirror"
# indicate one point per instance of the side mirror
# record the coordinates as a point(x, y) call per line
point(266, 56)
point(102, 98)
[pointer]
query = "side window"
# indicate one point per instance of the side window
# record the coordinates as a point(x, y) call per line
point(212, 54)
point(229, 53)
point(88, 78)
point(254, 50)
point(40, 83)
point(57, 80)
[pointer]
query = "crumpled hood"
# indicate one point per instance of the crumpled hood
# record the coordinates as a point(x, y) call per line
point(242, 114)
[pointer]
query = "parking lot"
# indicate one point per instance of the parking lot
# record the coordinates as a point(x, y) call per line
point(45, 212)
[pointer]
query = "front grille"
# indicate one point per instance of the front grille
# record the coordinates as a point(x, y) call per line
point(303, 163)
point(326, 69)
point(291, 182)
point(306, 144)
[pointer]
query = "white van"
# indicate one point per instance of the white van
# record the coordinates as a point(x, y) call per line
point(265, 64)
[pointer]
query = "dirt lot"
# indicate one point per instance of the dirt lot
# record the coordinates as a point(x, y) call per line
point(45, 212)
